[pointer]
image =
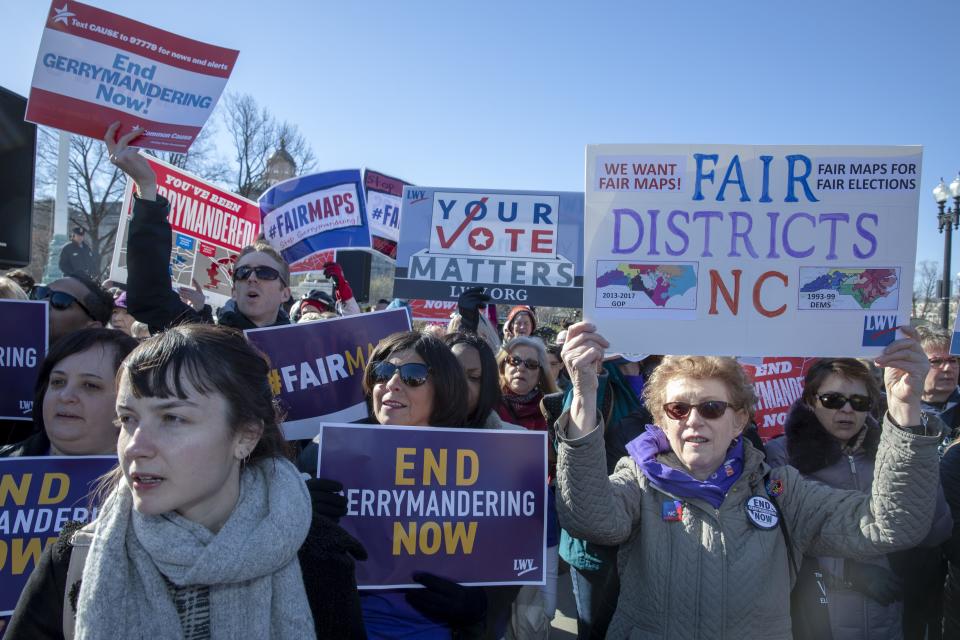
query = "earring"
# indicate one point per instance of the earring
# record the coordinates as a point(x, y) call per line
point(245, 460)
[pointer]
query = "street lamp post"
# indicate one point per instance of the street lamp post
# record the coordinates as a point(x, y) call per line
point(948, 219)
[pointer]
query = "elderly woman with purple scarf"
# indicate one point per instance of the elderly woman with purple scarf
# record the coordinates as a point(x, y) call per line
point(710, 536)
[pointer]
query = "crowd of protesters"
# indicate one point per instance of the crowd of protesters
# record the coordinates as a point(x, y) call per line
point(673, 518)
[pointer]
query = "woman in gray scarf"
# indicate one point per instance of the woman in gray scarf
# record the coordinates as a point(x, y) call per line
point(203, 519)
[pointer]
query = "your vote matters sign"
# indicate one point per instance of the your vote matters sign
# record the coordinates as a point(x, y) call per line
point(522, 246)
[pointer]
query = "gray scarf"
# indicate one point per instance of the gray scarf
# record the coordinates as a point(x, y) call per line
point(250, 565)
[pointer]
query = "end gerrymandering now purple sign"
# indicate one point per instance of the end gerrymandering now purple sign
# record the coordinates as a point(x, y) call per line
point(464, 504)
point(317, 368)
point(23, 345)
point(38, 496)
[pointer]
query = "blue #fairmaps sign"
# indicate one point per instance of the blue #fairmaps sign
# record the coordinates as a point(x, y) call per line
point(311, 214)
point(23, 345)
point(38, 496)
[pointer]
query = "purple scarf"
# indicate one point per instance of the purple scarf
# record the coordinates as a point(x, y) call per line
point(644, 449)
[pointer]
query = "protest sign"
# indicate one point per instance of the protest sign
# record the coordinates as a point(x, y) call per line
point(778, 383)
point(38, 496)
point(955, 340)
point(23, 346)
point(316, 368)
point(522, 246)
point(750, 250)
point(210, 227)
point(384, 195)
point(466, 504)
point(312, 214)
point(432, 310)
point(95, 67)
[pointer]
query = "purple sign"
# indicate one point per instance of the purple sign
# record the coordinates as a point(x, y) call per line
point(465, 504)
point(38, 496)
point(23, 345)
point(317, 367)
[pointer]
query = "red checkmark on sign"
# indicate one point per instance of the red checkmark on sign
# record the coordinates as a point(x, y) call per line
point(447, 243)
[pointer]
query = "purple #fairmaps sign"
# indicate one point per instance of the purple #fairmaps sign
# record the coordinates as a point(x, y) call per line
point(464, 504)
point(23, 345)
point(38, 496)
point(317, 368)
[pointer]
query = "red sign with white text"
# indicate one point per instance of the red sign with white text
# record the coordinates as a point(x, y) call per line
point(432, 310)
point(210, 226)
point(778, 383)
point(95, 67)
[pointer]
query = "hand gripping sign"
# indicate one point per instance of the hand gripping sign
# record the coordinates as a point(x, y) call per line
point(95, 67)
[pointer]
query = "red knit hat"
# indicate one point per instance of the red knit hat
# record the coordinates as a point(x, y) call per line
point(521, 308)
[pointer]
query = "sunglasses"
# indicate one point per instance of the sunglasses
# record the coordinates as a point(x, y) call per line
point(263, 273)
point(412, 374)
point(834, 400)
point(58, 299)
point(530, 364)
point(711, 409)
point(939, 362)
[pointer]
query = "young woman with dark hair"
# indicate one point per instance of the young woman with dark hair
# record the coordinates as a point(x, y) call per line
point(200, 528)
point(483, 381)
point(74, 396)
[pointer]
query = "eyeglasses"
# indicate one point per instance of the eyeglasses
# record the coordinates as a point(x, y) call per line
point(530, 364)
point(940, 362)
point(263, 273)
point(711, 409)
point(412, 374)
point(58, 299)
point(834, 400)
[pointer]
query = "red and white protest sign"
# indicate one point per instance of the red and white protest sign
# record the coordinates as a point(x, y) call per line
point(95, 67)
point(314, 262)
point(432, 310)
point(210, 227)
point(778, 382)
point(384, 195)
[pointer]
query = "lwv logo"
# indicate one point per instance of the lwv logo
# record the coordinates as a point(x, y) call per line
point(523, 566)
point(879, 330)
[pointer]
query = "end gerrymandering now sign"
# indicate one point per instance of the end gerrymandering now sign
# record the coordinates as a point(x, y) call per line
point(750, 250)
point(778, 383)
point(312, 214)
point(210, 226)
point(522, 246)
point(316, 368)
point(23, 346)
point(95, 67)
point(38, 496)
point(464, 504)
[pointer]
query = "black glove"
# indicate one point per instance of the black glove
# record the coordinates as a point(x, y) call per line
point(468, 306)
point(877, 583)
point(326, 498)
point(447, 602)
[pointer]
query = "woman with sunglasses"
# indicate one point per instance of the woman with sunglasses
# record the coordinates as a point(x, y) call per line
point(524, 379)
point(832, 436)
point(413, 379)
point(710, 536)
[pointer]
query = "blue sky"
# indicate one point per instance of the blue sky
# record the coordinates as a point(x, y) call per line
point(507, 94)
